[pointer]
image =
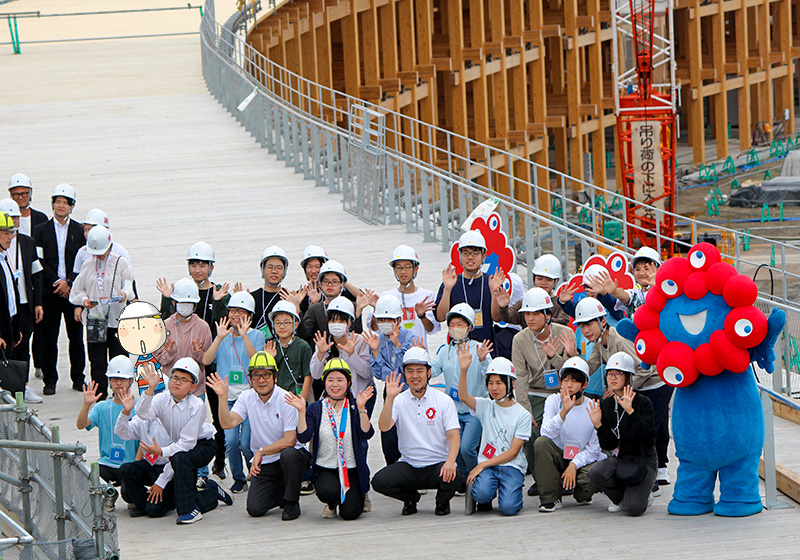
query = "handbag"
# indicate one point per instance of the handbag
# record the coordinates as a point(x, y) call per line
point(631, 471)
point(13, 374)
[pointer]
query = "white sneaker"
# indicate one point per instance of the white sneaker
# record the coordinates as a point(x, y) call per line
point(31, 397)
point(550, 508)
point(367, 504)
point(663, 476)
point(650, 499)
point(328, 513)
point(615, 508)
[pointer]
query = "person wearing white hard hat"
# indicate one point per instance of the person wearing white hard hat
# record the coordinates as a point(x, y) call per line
point(274, 266)
point(311, 262)
point(625, 430)
point(593, 278)
point(292, 354)
point(417, 303)
point(546, 275)
point(114, 450)
point(58, 241)
point(427, 432)
point(460, 322)
point(644, 265)
point(391, 342)
point(236, 342)
point(21, 189)
point(99, 295)
point(191, 446)
point(506, 426)
point(538, 352)
point(471, 286)
point(568, 446)
point(96, 217)
point(26, 269)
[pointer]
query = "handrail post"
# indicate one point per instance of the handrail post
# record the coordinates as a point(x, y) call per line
point(24, 474)
point(58, 489)
point(770, 476)
point(98, 525)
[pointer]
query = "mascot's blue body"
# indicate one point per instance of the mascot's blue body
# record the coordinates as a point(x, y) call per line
point(699, 327)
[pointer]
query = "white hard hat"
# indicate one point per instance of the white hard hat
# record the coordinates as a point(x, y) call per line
point(621, 361)
point(274, 251)
point(575, 364)
point(587, 309)
point(461, 310)
point(189, 366)
point(593, 272)
point(548, 266)
point(242, 300)
point(333, 266)
point(388, 307)
point(98, 241)
point(404, 253)
point(185, 291)
point(343, 305)
point(9, 207)
point(536, 299)
point(201, 251)
point(64, 190)
point(120, 367)
point(96, 217)
point(139, 310)
point(19, 180)
point(313, 252)
point(646, 254)
point(472, 238)
point(284, 307)
point(416, 355)
point(501, 366)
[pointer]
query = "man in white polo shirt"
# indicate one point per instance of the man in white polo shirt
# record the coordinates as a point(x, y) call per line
point(279, 461)
point(427, 433)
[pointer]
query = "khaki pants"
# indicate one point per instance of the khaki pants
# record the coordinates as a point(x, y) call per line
point(537, 410)
point(548, 467)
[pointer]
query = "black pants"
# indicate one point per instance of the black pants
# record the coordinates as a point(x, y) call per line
point(502, 342)
point(219, 437)
point(54, 308)
point(660, 398)
point(389, 446)
point(402, 482)
point(26, 320)
point(329, 492)
point(99, 354)
point(278, 481)
point(136, 476)
point(110, 474)
point(36, 344)
point(634, 497)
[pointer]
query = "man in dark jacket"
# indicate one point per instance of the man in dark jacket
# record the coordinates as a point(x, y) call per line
point(58, 241)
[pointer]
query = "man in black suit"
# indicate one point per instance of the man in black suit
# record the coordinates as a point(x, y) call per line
point(26, 268)
point(9, 300)
point(58, 241)
point(21, 190)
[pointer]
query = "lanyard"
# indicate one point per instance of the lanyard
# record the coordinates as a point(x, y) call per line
point(464, 288)
point(535, 349)
point(615, 431)
point(100, 276)
point(238, 359)
point(111, 423)
point(205, 303)
point(263, 320)
point(286, 361)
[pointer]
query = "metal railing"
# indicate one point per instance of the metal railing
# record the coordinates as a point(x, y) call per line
point(48, 486)
point(431, 178)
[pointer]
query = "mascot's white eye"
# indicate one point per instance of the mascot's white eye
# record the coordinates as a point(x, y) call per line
point(669, 287)
point(640, 346)
point(743, 327)
point(673, 375)
point(697, 259)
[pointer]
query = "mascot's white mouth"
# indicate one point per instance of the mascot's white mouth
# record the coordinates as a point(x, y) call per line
point(694, 324)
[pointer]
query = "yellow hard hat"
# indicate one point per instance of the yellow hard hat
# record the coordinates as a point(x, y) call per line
point(263, 360)
point(6, 222)
point(337, 364)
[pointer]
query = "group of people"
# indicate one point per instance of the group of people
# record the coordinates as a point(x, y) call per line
point(286, 370)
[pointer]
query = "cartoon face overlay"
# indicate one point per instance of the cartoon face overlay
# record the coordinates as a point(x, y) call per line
point(142, 335)
point(698, 318)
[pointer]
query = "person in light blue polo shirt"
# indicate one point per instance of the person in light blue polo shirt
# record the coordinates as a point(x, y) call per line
point(114, 451)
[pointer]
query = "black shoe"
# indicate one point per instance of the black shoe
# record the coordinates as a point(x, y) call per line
point(239, 486)
point(291, 510)
point(136, 512)
point(442, 509)
point(462, 489)
point(410, 508)
point(307, 488)
point(485, 507)
point(219, 472)
point(533, 490)
point(77, 387)
point(565, 492)
point(49, 390)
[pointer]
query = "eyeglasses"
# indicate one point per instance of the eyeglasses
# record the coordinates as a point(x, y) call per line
point(404, 268)
point(20, 194)
point(612, 373)
point(259, 376)
point(471, 252)
point(181, 380)
point(274, 267)
point(331, 282)
point(283, 324)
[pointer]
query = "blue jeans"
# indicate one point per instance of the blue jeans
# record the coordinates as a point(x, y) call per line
point(470, 429)
point(503, 481)
point(237, 443)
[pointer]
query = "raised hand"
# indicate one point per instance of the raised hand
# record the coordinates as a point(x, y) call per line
point(496, 280)
point(567, 340)
point(550, 346)
point(449, 276)
point(271, 348)
point(219, 293)
point(293, 296)
point(567, 401)
point(314, 293)
point(626, 400)
point(608, 283)
point(244, 326)
point(238, 287)
point(364, 396)
point(90, 395)
point(484, 348)
point(372, 299)
point(197, 345)
point(296, 401)
point(217, 384)
point(464, 355)
point(223, 327)
point(417, 341)
point(372, 340)
point(320, 340)
point(422, 307)
point(164, 287)
point(169, 345)
point(595, 414)
point(393, 385)
point(128, 400)
point(394, 336)
point(151, 375)
point(349, 346)
point(566, 294)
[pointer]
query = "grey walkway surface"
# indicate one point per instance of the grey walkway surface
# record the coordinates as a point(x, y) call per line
point(131, 126)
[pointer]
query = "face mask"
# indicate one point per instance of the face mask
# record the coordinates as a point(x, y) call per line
point(385, 328)
point(337, 330)
point(184, 309)
point(458, 333)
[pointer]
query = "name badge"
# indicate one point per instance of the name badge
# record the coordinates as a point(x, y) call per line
point(489, 451)
point(453, 392)
point(236, 378)
point(551, 379)
point(117, 454)
point(571, 449)
point(266, 331)
point(478, 319)
point(103, 300)
point(151, 458)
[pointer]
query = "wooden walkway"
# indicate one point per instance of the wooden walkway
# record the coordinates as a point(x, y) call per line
point(130, 125)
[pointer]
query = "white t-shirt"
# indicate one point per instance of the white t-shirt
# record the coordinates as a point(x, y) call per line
point(410, 320)
point(422, 426)
point(501, 424)
point(268, 420)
